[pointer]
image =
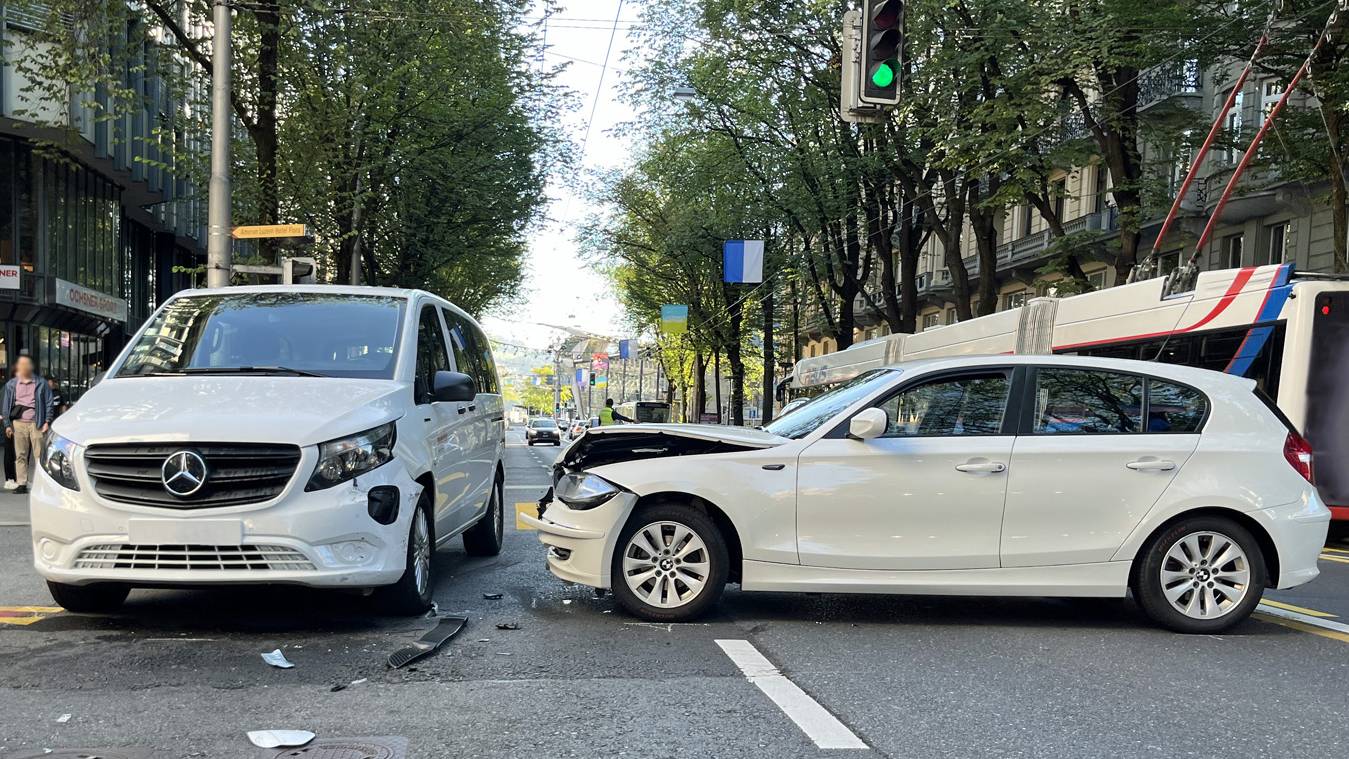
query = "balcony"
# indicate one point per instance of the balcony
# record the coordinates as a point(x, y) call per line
point(1031, 248)
point(1178, 84)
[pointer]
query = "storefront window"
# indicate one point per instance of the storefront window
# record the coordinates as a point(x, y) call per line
point(7, 204)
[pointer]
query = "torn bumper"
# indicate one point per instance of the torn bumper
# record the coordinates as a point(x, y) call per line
point(581, 543)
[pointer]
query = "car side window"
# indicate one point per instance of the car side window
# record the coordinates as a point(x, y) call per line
point(1087, 402)
point(466, 350)
point(431, 354)
point(462, 362)
point(1175, 408)
point(965, 405)
point(490, 382)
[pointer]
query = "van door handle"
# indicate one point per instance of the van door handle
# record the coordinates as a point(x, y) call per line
point(982, 467)
point(461, 409)
point(1151, 465)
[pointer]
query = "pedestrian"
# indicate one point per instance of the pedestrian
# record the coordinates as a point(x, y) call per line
point(27, 410)
point(609, 415)
point(58, 402)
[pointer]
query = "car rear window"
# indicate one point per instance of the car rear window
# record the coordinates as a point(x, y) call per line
point(1175, 408)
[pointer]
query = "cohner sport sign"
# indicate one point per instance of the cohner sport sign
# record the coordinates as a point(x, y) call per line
point(9, 277)
point(89, 301)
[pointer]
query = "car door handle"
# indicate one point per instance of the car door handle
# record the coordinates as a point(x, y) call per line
point(1151, 465)
point(983, 467)
point(774, 467)
point(462, 410)
point(473, 407)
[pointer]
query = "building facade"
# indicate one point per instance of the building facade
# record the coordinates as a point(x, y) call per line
point(94, 216)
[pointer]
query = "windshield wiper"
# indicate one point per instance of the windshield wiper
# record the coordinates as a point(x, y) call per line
point(250, 370)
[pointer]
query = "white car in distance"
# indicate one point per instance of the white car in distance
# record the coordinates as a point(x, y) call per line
point(1000, 475)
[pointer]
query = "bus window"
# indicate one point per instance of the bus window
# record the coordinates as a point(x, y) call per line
point(1327, 397)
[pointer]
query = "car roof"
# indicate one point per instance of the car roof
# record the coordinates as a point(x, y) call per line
point(1186, 374)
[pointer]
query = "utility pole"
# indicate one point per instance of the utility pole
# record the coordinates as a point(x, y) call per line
point(219, 251)
point(557, 379)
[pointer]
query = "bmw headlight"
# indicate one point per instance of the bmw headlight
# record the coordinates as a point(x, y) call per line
point(581, 490)
point(58, 460)
point(347, 457)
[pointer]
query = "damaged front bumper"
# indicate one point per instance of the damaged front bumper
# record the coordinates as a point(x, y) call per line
point(581, 542)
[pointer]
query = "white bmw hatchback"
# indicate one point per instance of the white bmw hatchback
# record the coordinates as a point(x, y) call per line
point(1001, 475)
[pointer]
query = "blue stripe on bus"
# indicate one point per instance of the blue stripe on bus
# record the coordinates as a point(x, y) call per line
point(1269, 311)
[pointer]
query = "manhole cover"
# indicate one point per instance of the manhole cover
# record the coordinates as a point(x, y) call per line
point(347, 748)
point(82, 753)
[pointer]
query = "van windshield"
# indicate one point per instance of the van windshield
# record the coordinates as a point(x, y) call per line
point(303, 334)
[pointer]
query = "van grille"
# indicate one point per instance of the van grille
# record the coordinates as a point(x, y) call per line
point(247, 557)
point(237, 473)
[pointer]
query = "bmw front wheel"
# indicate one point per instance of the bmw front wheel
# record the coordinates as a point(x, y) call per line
point(670, 563)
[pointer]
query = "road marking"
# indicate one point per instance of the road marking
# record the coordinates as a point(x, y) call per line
point(526, 487)
point(1333, 549)
point(1305, 623)
point(525, 507)
point(26, 615)
point(814, 720)
point(1298, 609)
point(1339, 559)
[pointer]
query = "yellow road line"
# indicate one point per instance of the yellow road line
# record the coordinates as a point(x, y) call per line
point(26, 615)
point(1337, 559)
point(1304, 627)
point(1299, 609)
point(1336, 550)
point(1303, 623)
point(525, 507)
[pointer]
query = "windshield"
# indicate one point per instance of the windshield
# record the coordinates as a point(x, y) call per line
point(805, 419)
point(324, 334)
point(546, 424)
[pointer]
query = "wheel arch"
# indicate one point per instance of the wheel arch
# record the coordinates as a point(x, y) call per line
point(713, 512)
point(428, 483)
point(1269, 552)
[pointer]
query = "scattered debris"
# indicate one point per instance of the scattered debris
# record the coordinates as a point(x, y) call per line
point(566, 602)
point(434, 638)
point(344, 686)
point(491, 596)
point(508, 625)
point(277, 659)
point(484, 640)
point(63, 719)
point(279, 738)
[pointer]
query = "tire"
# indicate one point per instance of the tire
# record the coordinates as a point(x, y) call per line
point(411, 595)
point(93, 599)
point(557, 443)
point(1208, 607)
point(484, 538)
point(635, 549)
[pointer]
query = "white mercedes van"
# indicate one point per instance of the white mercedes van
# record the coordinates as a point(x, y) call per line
point(311, 435)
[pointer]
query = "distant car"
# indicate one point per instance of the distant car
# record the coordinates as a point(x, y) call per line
point(988, 476)
point(577, 429)
point(543, 430)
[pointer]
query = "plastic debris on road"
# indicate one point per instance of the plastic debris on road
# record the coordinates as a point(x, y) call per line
point(491, 596)
point(508, 626)
point(279, 738)
point(428, 643)
point(64, 718)
point(277, 659)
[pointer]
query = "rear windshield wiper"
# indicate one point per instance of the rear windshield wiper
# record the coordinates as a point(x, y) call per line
point(250, 370)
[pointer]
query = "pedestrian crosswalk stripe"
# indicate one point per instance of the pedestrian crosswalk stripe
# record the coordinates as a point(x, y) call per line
point(26, 615)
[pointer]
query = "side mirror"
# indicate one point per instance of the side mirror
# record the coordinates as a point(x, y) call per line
point(868, 424)
point(453, 386)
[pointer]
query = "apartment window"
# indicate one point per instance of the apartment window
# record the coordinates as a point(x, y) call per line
point(1099, 193)
point(951, 316)
point(1277, 252)
point(1097, 279)
point(1026, 219)
point(1014, 300)
point(1168, 262)
point(931, 320)
point(1270, 92)
point(1230, 257)
point(1060, 199)
point(1233, 124)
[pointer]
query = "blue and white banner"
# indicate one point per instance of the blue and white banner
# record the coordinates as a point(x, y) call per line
point(743, 261)
point(625, 349)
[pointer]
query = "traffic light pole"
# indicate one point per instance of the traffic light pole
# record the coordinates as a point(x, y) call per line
point(219, 250)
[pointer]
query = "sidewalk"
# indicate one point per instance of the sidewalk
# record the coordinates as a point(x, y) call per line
point(13, 509)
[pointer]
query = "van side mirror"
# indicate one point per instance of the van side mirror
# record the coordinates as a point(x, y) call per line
point(869, 423)
point(453, 386)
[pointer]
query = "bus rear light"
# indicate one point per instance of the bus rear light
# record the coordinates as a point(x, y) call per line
point(1299, 454)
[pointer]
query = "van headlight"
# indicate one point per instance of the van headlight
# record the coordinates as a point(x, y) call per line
point(581, 490)
point(58, 460)
point(347, 457)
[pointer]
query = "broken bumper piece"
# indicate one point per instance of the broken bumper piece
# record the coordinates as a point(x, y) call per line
point(581, 542)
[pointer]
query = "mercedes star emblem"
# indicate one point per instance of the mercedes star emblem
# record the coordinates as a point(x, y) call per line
point(183, 473)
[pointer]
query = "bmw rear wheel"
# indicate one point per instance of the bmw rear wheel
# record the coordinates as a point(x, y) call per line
point(1202, 575)
point(670, 563)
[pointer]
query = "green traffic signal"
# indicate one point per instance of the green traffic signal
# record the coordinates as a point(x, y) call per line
point(884, 75)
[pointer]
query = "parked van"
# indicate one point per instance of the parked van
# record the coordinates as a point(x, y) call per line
point(310, 435)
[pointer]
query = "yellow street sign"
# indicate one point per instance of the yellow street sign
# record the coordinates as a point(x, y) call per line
point(269, 230)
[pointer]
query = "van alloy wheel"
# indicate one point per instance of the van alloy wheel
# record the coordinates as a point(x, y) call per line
point(1205, 575)
point(421, 554)
point(666, 565)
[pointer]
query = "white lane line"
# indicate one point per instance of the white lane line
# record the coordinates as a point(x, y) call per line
point(1305, 619)
point(526, 487)
point(814, 720)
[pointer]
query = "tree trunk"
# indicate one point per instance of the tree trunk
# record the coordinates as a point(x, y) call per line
point(769, 359)
point(265, 139)
point(716, 383)
point(984, 226)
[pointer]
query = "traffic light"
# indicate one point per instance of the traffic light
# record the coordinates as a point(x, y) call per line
point(592, 379)
point(882, 51)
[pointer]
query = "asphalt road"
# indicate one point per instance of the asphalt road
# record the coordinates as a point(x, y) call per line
point(179, 673)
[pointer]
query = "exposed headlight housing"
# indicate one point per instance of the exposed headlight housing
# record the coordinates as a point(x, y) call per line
point(582, 490)
point(58, 460)
point(347, 457)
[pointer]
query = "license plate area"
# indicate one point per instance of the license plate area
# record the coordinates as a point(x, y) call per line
point(219, 532)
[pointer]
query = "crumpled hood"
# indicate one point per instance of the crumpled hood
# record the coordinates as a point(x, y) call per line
point(744, 436)
point(253, 409)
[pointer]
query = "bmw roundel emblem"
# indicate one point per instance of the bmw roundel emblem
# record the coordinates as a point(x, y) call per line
point(183, 473)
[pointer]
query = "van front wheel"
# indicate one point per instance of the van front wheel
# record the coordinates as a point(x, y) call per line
point(412, 593)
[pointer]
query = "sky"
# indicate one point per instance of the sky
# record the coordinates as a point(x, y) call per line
point(560, 287)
